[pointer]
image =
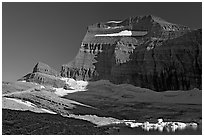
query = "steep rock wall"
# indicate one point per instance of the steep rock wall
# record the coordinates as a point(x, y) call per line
point(153, 54)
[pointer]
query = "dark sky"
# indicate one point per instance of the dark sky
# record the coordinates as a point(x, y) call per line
point(52, 32)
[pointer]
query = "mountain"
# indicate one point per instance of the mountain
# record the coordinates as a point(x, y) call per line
point(144, 51)
point(109, 88)
point(44, 74)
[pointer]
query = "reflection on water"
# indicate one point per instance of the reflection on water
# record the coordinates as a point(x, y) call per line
point(161, 127)
point(124, 130)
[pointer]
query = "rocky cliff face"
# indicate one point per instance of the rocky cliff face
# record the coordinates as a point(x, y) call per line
point(44, 74)
point(145, 51)
point(44, 68)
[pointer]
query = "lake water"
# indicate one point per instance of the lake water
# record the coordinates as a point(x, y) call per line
point(125, 130)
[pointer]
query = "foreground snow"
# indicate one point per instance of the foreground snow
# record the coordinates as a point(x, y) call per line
point(139, 94)
point(99, 121)
point(25, 105)
point(48, 111)
point(104, 121)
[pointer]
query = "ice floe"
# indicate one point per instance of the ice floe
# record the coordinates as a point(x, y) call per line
point(146, 126)
point(160, 125)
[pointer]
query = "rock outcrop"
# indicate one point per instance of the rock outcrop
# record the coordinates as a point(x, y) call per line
point(44, 68)
point(43, 74)
point(145, 51)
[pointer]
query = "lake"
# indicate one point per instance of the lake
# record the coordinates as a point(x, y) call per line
point(125, 130)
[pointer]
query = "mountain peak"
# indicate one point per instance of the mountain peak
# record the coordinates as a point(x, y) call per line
point(146, 26)
point(44, 68)
point(159, 19)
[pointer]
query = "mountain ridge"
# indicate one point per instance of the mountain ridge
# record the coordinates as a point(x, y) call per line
point(142, 53)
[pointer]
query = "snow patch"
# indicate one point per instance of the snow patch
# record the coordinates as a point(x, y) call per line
point(121, 33)
point(149, 48)
point(63, 92)
point(27, 103)
point(116, 27)
point(42, 86)
point(74, 86)
point(112, 21)
point(100, 121)
point(48, 111)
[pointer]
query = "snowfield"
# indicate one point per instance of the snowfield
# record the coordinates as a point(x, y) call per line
point(74, 86)
point(99, 121)
point(17, 104)
point(63, 92)
point(27, 103)
point(122, 33)
point(112, 21)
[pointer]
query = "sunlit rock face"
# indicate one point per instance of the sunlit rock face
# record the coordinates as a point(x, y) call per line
point(43, 74)
point(145, 51)
point(44, 68)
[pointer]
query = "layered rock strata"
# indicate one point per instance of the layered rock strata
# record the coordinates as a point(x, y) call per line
point(44, 68)
point(145, 51)
point(43, 74)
